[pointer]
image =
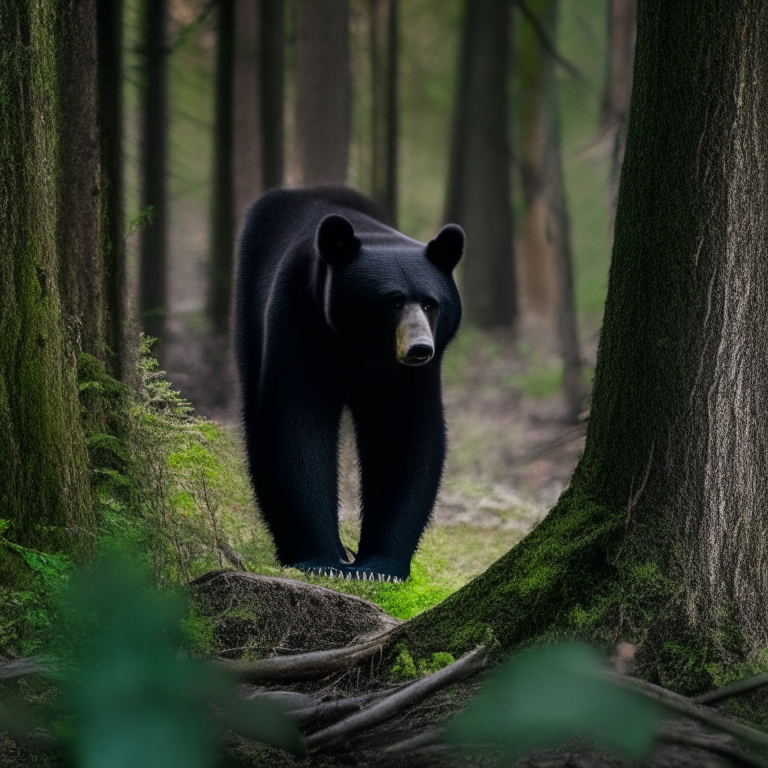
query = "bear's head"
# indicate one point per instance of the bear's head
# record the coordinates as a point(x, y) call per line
point(387, 294)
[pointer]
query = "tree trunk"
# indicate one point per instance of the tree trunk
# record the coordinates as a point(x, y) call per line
point(247, 111)
point(660, 538)
point(272, 81)
point(323, 90)
point(545, 260)
point(384, 44)
point(45, 488)
point(622, 30)
point(223, 216)
point(479, 196)
point(153, 285)
point(109, 17)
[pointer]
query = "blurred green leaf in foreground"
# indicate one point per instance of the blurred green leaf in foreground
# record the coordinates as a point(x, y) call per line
point(552, 695)
point(132, 697)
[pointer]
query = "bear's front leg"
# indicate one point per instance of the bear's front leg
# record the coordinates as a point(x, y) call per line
point(401, 444)
point(292, 443)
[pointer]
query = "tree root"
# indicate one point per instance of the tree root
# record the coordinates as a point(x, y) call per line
point(685, 706)
point(671, 735)
point(304, 666)
point(397, 702)
point(734, 689)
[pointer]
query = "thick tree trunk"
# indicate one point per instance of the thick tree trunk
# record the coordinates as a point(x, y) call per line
point(153, 279)
point(323, 90)
point(109, 18)
point(622, 30)
point(272, 81)
point(45, 485)
point(479, 196)
point(660, 538)
point(384, 44)
point(247, 112)
point(545, 258)
point(222, 214)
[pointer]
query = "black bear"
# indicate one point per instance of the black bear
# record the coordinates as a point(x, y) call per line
point(334, 309)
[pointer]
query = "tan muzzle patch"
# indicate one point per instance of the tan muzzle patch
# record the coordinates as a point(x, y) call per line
point(415, 345)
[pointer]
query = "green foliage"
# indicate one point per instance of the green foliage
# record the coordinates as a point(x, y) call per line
point(130, 697)
point(549, 696)
point(165, 482)
point(139, 221)
point(405, 668)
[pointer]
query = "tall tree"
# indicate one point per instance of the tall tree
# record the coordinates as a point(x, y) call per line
point(153, 279)
point(660, 538)
point(323, 90)
point(109, 18)
point(479, 196)
point(247, 109)
point(222, 213)
point(272, 81)
point(545, 258)
point(622, 29)
point(384, 55)
point(50, 272)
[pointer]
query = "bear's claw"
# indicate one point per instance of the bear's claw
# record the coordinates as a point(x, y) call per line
point(351, 574)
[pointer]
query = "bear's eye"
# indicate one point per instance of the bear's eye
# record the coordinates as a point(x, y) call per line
point(398, 302)
point(427, 305)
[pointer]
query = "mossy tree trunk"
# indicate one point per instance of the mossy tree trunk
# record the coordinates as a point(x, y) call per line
point(479, 193)
point(660, 538)
point(47, 237)
point(109, 17)
point(323, 90)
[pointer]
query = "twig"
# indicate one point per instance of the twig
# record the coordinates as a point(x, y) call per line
point(425, 739)
point(32, 665)
point(673, 735)
point(734, 689)
point(397, 702)
point(686, 707)
point(303, 666)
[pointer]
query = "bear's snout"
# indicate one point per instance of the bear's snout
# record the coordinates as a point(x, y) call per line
point(415, 345)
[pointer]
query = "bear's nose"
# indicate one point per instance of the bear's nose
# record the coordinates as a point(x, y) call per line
point(418, 354)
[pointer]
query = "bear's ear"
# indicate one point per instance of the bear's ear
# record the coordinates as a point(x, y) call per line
point(447, 248)
point(336, 241)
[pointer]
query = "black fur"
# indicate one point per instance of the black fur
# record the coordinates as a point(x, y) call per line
point(315, 331)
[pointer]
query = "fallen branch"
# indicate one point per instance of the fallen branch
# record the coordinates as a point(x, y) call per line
point(426, 739)
point(734, 689)
point(671, 735)
point(32, 665)
point(685, 706)
point(303, 666)
point(398, 702)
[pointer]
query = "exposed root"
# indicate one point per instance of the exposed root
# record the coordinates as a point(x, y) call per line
point(685, 706)
point(304, 666)
point(426, 739)
point(671, 734)
point(397, 702)
point(734, 689)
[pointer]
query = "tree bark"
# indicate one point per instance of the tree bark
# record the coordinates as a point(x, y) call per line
point(109, 18)
point(45, 488)
point(247, 111)
point(622, 30)
point(323, 90)
point(222, 213)
point(384, 55)
point(479, 196)
point(660, 538)
point(272, 18)
point(545, 259)
point(153, 279)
